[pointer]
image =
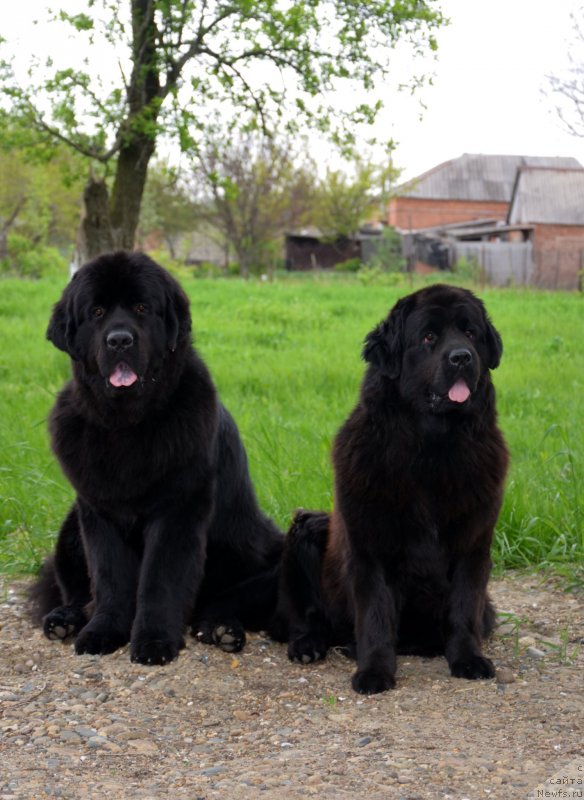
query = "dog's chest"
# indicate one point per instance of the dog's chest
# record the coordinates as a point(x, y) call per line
point(446, 478)
point(114, 466)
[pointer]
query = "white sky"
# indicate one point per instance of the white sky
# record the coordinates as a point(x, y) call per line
point(487, 91)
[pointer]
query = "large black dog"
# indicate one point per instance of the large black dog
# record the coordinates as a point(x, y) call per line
point(403, 562)
point(165, 530)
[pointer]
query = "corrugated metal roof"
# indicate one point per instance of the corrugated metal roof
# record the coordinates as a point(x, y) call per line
point(477, 177)
point(553, 196)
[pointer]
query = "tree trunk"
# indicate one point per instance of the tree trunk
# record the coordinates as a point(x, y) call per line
point(110, 223)
point(95, 231)
point(128, 188)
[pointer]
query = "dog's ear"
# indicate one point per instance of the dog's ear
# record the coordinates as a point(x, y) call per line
point(177, 317)
point(376, 346)
point(384, 346)
point(62, 326)
point(494, 345)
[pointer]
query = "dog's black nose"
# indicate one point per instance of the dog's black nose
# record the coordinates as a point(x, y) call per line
point(119, 339)
point(460, 357)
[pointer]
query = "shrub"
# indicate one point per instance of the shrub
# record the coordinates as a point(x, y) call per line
point(28, 260)
point(350, 265)
point(468, 268)
point(388, 256)
point(374, 275)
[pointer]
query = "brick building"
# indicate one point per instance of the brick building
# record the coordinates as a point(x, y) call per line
point(551, 201)
point(521, 218)
point(468, 188)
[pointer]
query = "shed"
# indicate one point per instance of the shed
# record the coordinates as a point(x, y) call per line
point(552, 202)
point(308, 249)
point(473, 186)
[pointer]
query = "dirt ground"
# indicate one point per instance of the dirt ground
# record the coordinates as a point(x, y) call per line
point(213, 725)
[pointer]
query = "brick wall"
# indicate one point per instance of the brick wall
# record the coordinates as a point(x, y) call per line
point(410, 213)
point(558, 255)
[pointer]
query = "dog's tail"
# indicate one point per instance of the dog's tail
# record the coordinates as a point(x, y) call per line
point(44, 594)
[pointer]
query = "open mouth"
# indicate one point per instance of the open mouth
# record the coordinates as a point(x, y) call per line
point(122, 376)
point(459, 393)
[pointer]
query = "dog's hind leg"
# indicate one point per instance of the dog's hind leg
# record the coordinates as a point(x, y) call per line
point(223, 619)
point(58, 599)
point(301, 601)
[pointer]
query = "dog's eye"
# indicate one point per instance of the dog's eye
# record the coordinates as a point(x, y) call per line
point(470, 334)
point(429, 337)
point(98, 312)
point(140, 308)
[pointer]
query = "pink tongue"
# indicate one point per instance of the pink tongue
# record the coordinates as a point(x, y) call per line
point(123, 375)
point(459, 392)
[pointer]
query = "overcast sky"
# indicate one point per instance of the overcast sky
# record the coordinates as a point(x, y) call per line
point(486, 96)
point(487, 91)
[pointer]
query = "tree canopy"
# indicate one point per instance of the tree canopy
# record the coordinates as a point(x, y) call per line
point(169, 68)
point(252, 190)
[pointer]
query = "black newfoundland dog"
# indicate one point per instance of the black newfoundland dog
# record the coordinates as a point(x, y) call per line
point(402, 563)
point(165, 530)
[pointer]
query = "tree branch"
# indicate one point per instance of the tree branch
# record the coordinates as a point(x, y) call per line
point(15, 212)
point(103, 157)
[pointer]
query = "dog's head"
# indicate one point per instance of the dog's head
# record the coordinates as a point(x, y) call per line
point(121, 317)
point(436, 344)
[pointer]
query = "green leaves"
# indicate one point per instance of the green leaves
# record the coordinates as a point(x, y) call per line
point(209, 53)
point(81, 22)
point(153, 68)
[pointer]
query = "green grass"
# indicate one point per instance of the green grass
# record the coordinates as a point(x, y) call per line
point(286, 358)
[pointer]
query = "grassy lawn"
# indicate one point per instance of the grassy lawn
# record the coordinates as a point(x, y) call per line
point(286, 358)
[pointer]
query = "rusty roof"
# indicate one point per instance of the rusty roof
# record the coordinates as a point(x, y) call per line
point(478, 177)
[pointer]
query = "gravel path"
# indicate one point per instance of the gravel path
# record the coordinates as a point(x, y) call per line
point(212, 725)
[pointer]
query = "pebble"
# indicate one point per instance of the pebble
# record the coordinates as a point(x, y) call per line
point(85, 732)
point(526, 641)
point(534, 652)
point(70, 736)
point(97, 741)
point(213, 770)
point(505, 675)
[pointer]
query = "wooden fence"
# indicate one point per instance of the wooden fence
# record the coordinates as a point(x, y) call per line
point(501, 263)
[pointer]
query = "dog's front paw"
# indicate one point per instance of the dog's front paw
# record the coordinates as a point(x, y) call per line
point(155, 651)
point(99, 641)
point(474, 667)
point(372, 681)
point(63, 621)
point(307, 648)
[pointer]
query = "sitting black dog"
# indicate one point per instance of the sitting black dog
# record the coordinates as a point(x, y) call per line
point(403, 561)
point(165, 530)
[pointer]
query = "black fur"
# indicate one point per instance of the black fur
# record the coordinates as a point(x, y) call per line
point(165, 530)
point(403, 561)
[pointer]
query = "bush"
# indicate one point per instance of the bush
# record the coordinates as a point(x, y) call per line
point(388, 255)
point(468, 268)
point(173, 265)
point(350, 265)
point(28, 260)
point(374, 275)
point(208, 269)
